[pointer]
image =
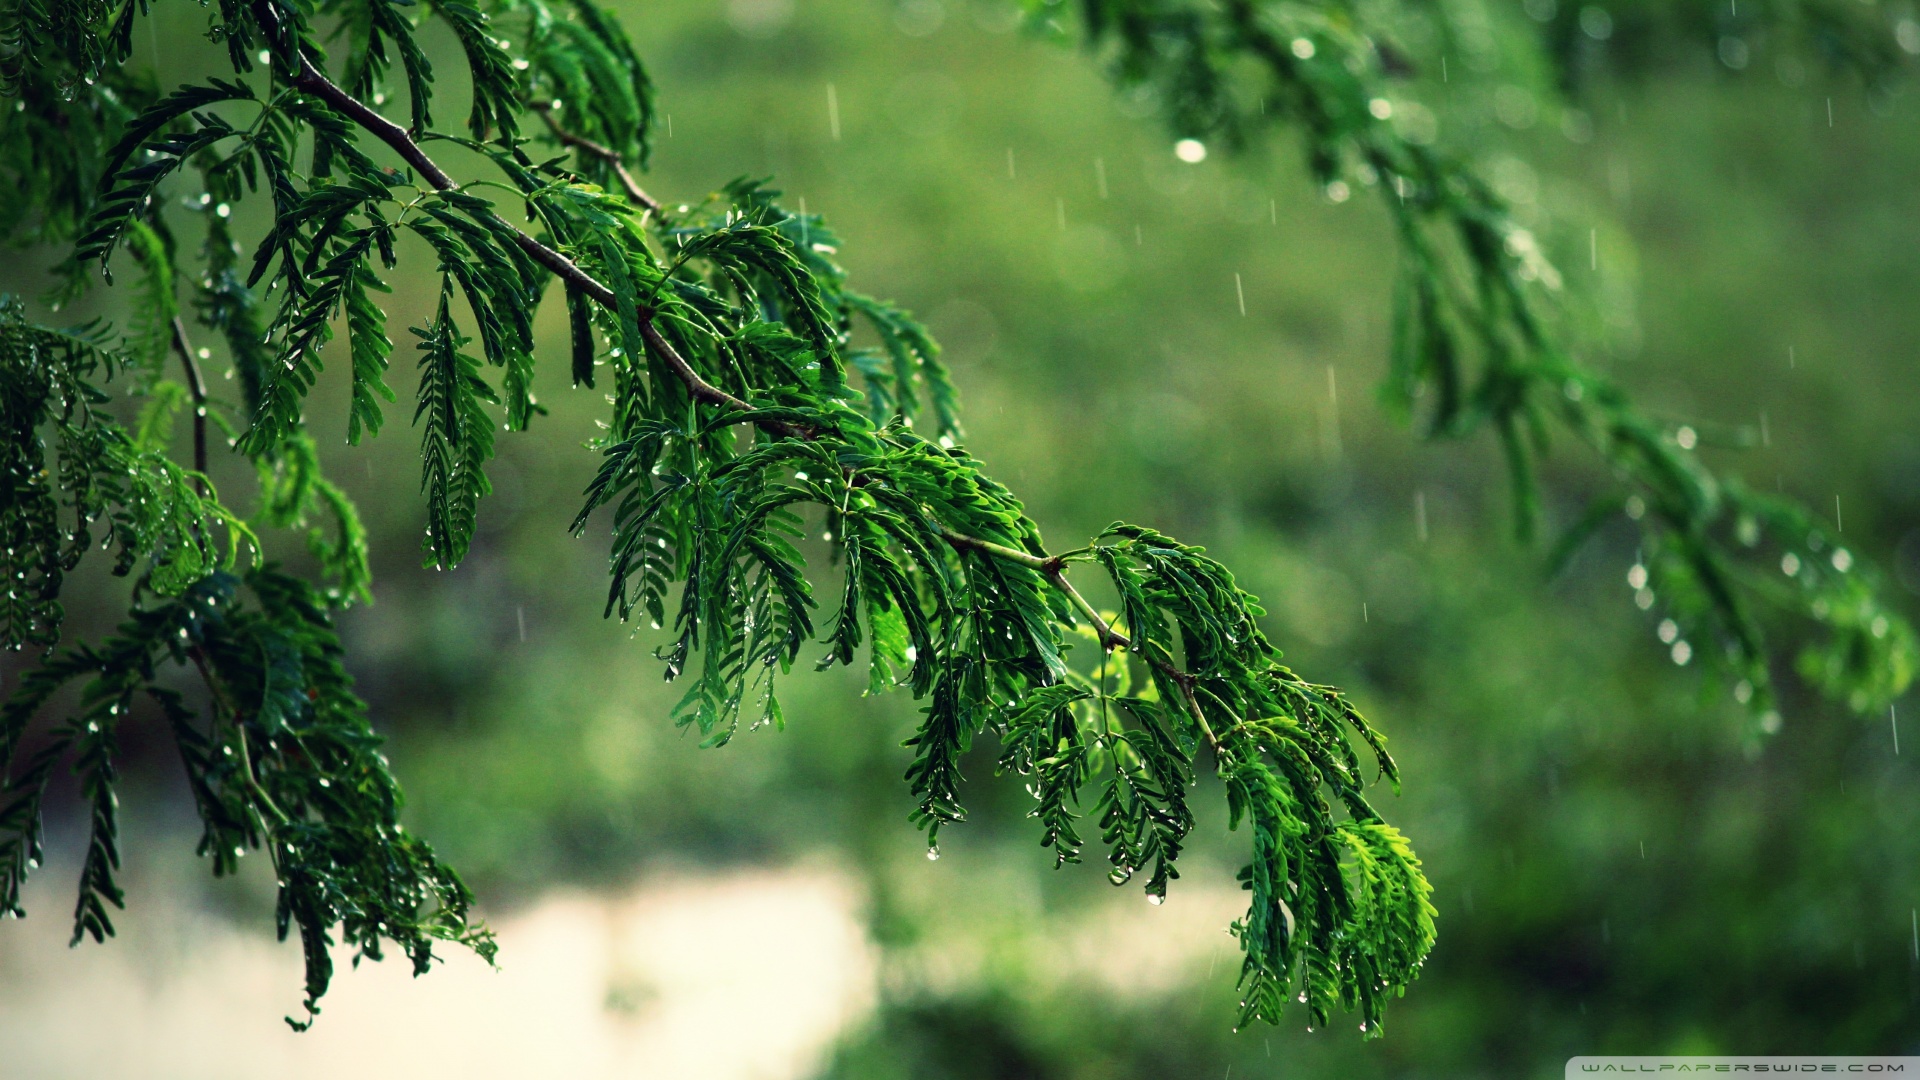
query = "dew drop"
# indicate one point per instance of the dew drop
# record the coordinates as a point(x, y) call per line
point(933, 853)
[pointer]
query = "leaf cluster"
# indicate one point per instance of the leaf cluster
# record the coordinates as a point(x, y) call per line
point(285, 761)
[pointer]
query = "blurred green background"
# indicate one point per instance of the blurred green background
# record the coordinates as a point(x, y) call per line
point(1621, 863)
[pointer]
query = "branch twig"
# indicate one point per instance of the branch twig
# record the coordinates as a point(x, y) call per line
point(593, 149)
point(197, 390)
point(312, 81)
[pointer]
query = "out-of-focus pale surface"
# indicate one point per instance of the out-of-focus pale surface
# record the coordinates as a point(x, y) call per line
point(748, 975)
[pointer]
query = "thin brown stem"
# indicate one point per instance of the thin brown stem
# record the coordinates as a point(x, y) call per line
point(197, 390)
point(587, 146)
point(312, 81)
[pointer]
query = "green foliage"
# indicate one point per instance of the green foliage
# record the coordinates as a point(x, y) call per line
point(733, 429)
point(456, 440)
point(66, 458)
point(285, 761)
point(1477, 344)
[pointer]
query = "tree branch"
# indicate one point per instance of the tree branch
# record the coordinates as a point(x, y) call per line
point(605, 153)
point(1110, 638)
point(1042, 563)
point(312, 81)
point(197, 389)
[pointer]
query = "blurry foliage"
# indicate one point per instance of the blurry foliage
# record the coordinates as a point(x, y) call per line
point(1476, 346)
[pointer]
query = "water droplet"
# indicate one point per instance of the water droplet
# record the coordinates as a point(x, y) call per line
point(1156, 899)
point(933, 853)
point(1790, 564)
point(1637, 577)
point(1303, 48)
point(1191, 151)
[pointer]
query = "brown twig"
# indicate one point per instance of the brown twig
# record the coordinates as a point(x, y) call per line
point(607, 154)
point(312, 81)
point(197, 390)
